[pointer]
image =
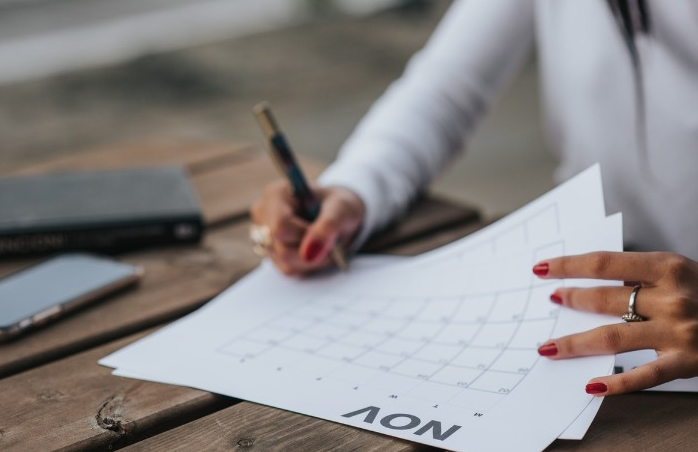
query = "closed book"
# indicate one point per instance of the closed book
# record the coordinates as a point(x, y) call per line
point(106, 211)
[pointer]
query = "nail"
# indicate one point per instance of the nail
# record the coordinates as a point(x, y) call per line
point(548, 349)
point(541, 269)
point(596, 388)
point(312, 251)
point(555, 298)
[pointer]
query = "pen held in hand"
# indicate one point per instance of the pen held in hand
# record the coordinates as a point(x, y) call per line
point(286, 162)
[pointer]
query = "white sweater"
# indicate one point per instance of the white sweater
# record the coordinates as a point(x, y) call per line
point(591, 110)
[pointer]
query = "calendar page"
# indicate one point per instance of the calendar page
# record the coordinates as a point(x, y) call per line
point(439, 349)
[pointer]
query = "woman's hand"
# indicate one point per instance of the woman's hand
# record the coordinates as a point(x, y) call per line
point(298, 247)
point(667, 300)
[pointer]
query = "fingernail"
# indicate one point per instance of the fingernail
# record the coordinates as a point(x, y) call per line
point(548, 349)
point(541, 269)
point(555, 298)
point(312, 251)
point(596, 388)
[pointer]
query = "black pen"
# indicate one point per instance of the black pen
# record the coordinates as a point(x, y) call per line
point(286, 162)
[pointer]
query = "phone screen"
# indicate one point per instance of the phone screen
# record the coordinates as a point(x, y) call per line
point(51, 285)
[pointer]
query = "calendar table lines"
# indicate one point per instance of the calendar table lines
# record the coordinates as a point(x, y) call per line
point(467, 342)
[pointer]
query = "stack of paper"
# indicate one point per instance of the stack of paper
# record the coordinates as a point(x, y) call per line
point(440, 348)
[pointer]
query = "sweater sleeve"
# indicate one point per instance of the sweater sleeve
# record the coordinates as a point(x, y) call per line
point(422, 121)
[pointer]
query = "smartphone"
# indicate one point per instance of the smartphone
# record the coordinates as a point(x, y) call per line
point(46, 291)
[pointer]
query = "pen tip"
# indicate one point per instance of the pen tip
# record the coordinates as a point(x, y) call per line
point(339, 258)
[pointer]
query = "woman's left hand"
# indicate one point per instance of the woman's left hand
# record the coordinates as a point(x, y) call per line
point(667, 300)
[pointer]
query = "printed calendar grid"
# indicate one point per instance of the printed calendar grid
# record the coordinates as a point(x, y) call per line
point(458, 343)
point(456, 347)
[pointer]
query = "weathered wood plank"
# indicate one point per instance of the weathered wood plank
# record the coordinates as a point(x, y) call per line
point(646, 421)
point(224, 248)
point(426, 218)
point(257, 427)
point(75, 404)
point(176, 281)
point(436, 239)
point(97, 410)
point(227, 191)
point(667, 423)
point(193, 155)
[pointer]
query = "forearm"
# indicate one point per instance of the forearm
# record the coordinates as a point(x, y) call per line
point(417, 127)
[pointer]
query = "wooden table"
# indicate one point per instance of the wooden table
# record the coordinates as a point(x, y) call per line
point(54, 395)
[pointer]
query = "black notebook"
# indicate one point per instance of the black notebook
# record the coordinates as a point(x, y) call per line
point(107, 211)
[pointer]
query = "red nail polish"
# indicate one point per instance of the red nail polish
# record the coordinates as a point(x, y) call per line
point(555, 298)
point(548, 349)
point(312, 251)
point(596, 388)
point(541, 269)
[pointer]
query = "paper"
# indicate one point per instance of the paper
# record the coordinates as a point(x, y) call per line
point(439, 349)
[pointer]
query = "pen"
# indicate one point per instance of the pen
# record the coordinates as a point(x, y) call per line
point(286, 162)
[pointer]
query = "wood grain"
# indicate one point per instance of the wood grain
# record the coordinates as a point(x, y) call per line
point(194, 155)
point(426, 218)
point(439, 237)
point(228, 190)
point(185, 276)
point(644, 421)
point(75, 404)
point(63, 400)
point(177, 280)
point(257, 427)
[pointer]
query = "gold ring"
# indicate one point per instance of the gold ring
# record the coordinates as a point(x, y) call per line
point(260, 236)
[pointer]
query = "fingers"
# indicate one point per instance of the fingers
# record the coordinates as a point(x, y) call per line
point(339, 219)
point(289, 261)
point(298, 247)
point(620, 266)
point(664, 369)
point(604, 340)
point(276, 210)
point(666, 299)
point(611, 300)
point(613, 339)
point(676, 360)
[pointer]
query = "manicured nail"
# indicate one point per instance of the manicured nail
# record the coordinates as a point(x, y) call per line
point(596, 388)
point(541, 269)
point(548, 349)
point(312, 251)
point(555, 298)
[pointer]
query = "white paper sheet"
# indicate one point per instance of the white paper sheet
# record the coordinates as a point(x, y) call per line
point(438, 349)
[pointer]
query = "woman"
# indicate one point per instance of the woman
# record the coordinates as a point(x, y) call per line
point(620, 85)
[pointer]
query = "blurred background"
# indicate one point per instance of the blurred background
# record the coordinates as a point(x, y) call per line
point(77, 74)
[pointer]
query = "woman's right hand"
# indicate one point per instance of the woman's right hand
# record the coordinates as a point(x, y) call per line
point(298, 247)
